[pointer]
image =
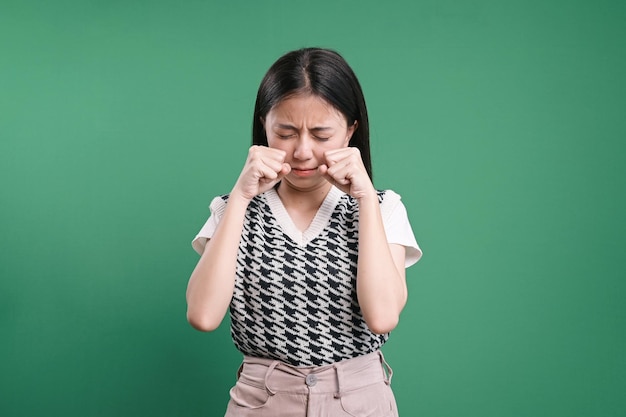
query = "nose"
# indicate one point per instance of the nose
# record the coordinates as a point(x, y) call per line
point(304, 149)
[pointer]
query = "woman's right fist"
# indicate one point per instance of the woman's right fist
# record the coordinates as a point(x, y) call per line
point(263, 169)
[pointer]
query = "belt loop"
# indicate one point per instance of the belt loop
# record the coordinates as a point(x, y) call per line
point(337, 372)
point(387, 371)
point(270, 369)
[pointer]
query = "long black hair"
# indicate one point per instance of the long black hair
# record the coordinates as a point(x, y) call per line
point(323, 73)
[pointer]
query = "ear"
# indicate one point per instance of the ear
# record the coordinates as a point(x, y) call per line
point(351, 130)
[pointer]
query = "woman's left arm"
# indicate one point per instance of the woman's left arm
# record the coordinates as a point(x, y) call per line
point(381, 280)
point(380, 283)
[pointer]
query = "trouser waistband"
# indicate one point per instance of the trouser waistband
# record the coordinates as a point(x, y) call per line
point(276, 376)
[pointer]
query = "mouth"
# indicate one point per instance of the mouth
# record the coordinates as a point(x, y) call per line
point(304, 172)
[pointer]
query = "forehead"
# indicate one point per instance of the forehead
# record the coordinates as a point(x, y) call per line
point(309, 108)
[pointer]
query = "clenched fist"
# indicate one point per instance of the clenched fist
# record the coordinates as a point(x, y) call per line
point(263, 169)
point(344, 169)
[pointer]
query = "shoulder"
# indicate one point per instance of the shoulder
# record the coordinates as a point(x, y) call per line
point(389, 201)
point(218, 204)
point(386, 198)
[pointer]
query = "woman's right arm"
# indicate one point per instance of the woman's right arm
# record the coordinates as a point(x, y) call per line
point(212, 282)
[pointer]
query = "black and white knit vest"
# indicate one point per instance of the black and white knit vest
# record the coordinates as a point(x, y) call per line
point(295, 296)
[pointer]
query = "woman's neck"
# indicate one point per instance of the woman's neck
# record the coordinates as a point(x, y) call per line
point(302, 205)
point(304, 199)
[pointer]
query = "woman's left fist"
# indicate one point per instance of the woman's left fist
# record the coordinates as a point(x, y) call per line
point(344, 169)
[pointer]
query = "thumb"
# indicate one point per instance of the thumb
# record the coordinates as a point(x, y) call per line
point(284, 170)
point(323, 169)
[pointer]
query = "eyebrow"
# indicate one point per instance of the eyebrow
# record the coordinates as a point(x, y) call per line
point(316, 129)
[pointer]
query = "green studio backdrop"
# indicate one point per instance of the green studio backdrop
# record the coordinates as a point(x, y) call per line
point(501, 124)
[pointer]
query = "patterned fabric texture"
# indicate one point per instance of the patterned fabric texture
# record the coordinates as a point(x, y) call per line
point(297, 302)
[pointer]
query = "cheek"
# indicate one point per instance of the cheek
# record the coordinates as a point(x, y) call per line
point(277, 144)
point(271, 141)
point(340, 143)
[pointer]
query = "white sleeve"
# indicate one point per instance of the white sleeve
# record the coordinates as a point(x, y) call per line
point(218, 205)
point(398, 228)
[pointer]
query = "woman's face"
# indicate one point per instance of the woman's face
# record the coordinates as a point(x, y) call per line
point(305, 127)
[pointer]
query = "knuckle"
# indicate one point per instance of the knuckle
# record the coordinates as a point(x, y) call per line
point(253, 152)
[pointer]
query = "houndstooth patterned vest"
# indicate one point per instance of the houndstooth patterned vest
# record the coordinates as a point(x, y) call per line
point(295, 296)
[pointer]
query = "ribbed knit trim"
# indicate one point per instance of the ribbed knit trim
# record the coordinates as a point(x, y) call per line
point(389, 204)
point(318, 223)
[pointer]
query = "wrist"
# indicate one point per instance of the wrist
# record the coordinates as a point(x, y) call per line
point(237, 198)
point(370, 197)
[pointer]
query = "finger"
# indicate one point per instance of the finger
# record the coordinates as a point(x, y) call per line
point(278, 174)
point(275, 154)
point(332, 157)
point(265, 157)
point(274, 165)
point(341, 171)
point(337, 179)
point(343, 187)
point(265, 174)
point(336, 155)
point(266, 183)
point(331, 180)
point(257, 152)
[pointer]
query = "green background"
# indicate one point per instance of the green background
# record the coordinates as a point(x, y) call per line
point(501, 123)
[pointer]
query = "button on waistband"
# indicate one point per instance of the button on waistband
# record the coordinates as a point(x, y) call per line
point(311, 380)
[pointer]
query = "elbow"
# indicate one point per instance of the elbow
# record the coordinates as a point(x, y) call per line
point(382, 319)
point(201, 322)
point(382, 325)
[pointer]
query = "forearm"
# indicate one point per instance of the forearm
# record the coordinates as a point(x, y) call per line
point(381, 285)
point(212, 282)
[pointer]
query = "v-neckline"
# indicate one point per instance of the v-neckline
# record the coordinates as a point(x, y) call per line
point(318, 223)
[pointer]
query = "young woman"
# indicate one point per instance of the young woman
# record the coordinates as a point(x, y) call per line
point(307, 254)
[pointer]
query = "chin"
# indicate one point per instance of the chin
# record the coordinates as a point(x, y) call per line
point(305, 184)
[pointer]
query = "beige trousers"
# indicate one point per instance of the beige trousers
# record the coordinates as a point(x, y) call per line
point(358, 387)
